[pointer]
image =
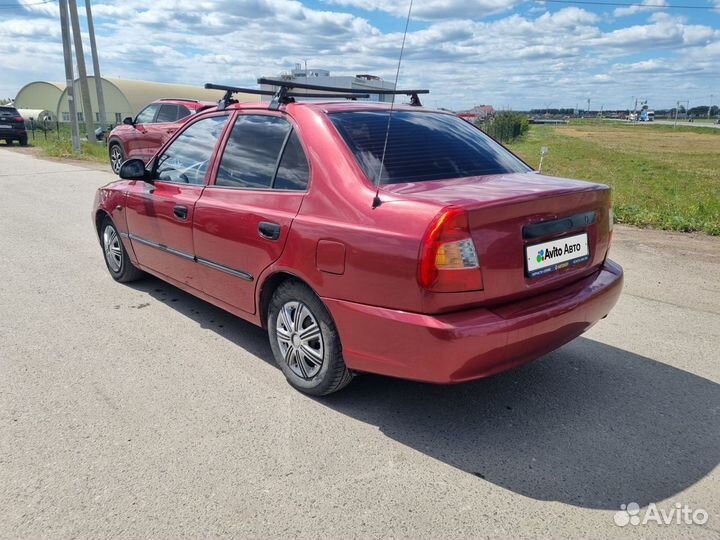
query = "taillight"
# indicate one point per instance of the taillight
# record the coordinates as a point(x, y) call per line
point(448, 260)
point(18, 119)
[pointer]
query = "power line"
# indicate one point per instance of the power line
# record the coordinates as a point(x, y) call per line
point(625, 4)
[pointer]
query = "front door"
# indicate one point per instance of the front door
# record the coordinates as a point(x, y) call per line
point(160, 215)
point(135, 141)
point(243, 217)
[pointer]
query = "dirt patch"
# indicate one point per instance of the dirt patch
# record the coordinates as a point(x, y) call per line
point(38, 153)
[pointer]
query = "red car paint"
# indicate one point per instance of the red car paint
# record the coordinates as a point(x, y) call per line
point(142, 139)
point(364, 262)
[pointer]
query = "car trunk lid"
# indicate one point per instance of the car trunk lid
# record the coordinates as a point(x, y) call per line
point(512, 217)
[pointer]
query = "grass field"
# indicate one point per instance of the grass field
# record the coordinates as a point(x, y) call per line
point(662, 177)
point(59, 146)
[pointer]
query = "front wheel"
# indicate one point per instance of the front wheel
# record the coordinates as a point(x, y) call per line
point(117, 260)
point(117, 156)
point(305, 342)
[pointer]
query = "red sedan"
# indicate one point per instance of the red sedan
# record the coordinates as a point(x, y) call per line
point(142, 136)
point(427, 251)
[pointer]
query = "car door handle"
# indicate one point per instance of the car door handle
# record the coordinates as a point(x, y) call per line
point(181, 212)
point(269, 231)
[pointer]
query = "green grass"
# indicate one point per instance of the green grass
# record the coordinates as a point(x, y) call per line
point(59, 146)
point(662, 177)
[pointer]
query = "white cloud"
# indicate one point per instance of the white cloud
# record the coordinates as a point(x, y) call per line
point(648, 5)
point(433, 9)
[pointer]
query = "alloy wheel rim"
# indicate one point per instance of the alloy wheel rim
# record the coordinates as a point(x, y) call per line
point(300, 339)
point(112, 248)
point(115, 158)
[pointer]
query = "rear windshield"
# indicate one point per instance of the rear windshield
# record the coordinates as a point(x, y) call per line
point(421, 146)
point(8, 111)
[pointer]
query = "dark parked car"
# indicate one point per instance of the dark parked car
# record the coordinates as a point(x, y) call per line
point(461, 263)
point(140, 137)
point(12, 126)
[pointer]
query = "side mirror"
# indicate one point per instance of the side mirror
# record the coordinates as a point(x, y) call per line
point(128, 121)
point(134, 169)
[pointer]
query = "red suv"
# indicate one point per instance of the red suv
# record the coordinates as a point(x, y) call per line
point(427, 251)
point(142, 136)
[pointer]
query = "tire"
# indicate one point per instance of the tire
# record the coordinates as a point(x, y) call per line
point(313, 365)
point(116, 258)
point(117, 156)
point(23, 141)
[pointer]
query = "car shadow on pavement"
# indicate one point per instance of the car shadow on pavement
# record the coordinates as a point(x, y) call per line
point(589, 425)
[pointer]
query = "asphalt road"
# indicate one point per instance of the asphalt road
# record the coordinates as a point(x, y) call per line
point(141, 412)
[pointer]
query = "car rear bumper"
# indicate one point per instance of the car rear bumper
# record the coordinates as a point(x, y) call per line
point(13, 133)
point(475, 343)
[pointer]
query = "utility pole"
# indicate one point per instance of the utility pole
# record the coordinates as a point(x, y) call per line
point(82, 73)
point(710, 106)
point(69, 76)
point(677, 107)
point(96, 67)
point(635, 111)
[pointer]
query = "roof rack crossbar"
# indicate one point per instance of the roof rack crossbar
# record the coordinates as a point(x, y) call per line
point(286, 93)
point(305, 86)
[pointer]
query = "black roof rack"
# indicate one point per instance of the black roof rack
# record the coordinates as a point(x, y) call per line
point(414, 99)
point(286, 92)
point(278, 96)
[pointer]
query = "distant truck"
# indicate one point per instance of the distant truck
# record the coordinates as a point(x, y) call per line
point(647, 116)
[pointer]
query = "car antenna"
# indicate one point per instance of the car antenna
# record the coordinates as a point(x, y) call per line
point(414, 101)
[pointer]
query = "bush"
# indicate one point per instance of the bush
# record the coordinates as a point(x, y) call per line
point(506, 126)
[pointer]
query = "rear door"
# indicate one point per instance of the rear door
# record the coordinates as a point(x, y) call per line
point(160, 215)
point(244, 215)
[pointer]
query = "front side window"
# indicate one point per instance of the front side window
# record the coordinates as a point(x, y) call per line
point(251, 155)
point(147, 115)
point(421, 146)
point(187, 158)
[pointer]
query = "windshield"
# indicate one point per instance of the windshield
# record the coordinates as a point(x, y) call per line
point(421, 146)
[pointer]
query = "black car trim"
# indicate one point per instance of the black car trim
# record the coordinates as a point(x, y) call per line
point(558, 226)
point(188, 256)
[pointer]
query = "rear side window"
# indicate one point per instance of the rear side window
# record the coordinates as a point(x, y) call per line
point(182, 112)
point(168, 113)
point(252, 151)
point(421, 146)
point(293, 171)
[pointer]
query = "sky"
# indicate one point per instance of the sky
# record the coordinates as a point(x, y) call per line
point(516, 54)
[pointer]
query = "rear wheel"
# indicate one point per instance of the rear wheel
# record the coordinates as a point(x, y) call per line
point(23, 140)
point(117, 156)
point(116, 258)
point(305, 342)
